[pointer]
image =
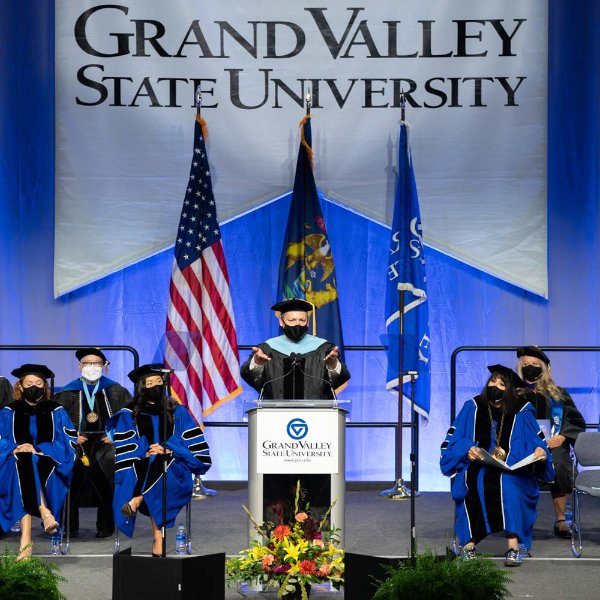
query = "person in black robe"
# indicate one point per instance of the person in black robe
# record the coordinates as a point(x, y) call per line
point(90, 401)
point(555, 404)
point(295, 365)
point(37, 443)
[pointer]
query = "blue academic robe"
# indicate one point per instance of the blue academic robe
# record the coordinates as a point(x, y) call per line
point(136, 474)
point(489, 500)
point(25, 477)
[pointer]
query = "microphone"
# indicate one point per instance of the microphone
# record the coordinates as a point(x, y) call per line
point(320, 379)
point(262, 389)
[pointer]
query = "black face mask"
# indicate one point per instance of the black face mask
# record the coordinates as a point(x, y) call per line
point(295, 332)
point(531, 372)
point(155, 394)
point(494, 394)
point(34, 394)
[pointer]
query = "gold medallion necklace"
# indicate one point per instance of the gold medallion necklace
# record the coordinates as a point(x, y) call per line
point(498, 452)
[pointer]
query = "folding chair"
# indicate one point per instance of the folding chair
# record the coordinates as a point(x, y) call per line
point(587, 454)
point(188, 528)
point(64, 545)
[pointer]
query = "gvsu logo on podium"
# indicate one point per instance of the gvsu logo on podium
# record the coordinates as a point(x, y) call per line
point(297, 429)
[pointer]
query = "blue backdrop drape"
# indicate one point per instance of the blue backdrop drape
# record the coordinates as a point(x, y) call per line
point(466, 306)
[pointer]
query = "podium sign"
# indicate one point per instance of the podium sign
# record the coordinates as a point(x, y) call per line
point(297, 442)
point(292, 438)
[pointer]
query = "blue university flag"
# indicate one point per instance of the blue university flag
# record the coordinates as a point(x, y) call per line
point(406, 267)
point(306, 268)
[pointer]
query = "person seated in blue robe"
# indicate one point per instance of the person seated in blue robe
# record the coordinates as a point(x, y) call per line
point(501, 421)
point(140, 445)
point(37, 453)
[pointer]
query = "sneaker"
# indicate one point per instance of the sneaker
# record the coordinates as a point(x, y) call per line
point(512, 558)
point(468, 553)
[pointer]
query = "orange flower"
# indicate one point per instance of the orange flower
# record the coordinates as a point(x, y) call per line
point(324, 569)
point(306, 567)
point(281, 531)
point(318, 543)
point(301, 517)
point(267, 561)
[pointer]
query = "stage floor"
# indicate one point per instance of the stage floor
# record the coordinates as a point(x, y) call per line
point(374, 526)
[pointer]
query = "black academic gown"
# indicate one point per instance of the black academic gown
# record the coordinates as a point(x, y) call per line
point(572, 425)
point(311, 379)
point(92, 485)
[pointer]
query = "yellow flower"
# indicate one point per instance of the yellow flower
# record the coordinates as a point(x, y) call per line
point(338, 561)
point(257, 552)
point(292, 550)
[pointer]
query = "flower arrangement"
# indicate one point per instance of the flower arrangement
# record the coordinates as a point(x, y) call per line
point(291, 555)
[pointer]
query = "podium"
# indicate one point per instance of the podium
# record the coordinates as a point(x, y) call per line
point(297, 438)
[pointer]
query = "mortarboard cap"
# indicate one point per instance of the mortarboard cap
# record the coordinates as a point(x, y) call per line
point(533, 351)
point(39, 370)
point(509, 374)
point(90, 351)
point(145, 371)
point(292, 304)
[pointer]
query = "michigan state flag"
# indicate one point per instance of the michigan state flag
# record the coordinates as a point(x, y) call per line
point(406, 268)
point(306, 268)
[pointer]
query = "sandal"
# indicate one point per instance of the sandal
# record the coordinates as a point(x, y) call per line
point(562, 532)
point(49, 523)
point(128, 510)
point(25, 552)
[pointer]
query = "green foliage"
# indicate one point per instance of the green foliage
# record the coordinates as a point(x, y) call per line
point(447, 579)
point(31, 579)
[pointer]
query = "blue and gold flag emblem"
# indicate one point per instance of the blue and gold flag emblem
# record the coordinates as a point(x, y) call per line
point(306, 268)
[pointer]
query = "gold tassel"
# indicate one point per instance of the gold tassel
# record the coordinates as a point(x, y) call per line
point(309, 150)
point(204, 126)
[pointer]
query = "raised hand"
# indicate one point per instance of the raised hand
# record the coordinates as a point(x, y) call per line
point(260, 358)
point(331, 360)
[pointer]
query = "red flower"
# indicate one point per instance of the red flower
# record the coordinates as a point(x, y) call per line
point(281, 569)
point(281, 531)
point(317, 535)
point(306, 567)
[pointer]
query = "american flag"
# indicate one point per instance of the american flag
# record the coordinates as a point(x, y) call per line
point(201, 344)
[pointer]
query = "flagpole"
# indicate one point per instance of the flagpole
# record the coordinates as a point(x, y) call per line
point(200, 491)
point(398, 491)
point(413, 469)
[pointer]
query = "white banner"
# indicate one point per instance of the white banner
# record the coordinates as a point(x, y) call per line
point(297, 441)
point(474, 74)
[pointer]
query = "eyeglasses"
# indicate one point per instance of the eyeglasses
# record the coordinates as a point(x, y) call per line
point(91, 364)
